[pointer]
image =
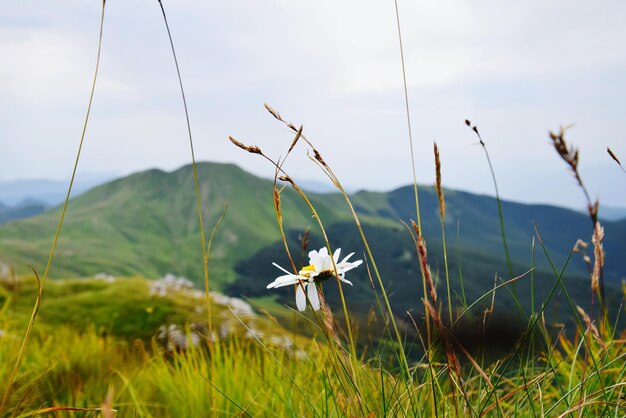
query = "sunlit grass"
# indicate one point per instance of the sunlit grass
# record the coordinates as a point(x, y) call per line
point(66, 366)
point(118, 348)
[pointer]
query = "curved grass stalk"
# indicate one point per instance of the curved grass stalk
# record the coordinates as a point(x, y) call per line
point(341, 295)
point(282, 367)
point(410, 135)
point(458, 257)
point(509, 266)
point(205, 248)
point(33, 316)
point(331, 175)
point(531, 326)
point(327, 170)
point(442, 217)
point(330, 333)
point(206, 280)
point(193, 155)
point(575, 313)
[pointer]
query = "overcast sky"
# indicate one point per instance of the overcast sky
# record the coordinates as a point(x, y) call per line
point(517, 69)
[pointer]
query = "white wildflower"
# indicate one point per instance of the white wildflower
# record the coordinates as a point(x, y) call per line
point(320, 268)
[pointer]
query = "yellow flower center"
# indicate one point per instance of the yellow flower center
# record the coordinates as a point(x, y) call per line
point(308, 268)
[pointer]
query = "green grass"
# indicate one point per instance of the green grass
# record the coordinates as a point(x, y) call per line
point(146, 224)
point(100, 344)
point(78, 365)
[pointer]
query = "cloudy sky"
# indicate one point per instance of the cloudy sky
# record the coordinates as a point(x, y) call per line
point(517, 69)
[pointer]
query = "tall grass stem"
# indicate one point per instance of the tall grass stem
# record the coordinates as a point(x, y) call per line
point(33, 316)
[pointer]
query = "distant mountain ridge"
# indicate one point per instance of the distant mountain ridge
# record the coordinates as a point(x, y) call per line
point(49, 192)
point(610, 213)
point(147, 224)
point(24, 209)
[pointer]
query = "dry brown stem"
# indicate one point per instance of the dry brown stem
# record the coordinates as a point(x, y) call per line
point(438, 188)
point(612, 154)
point(598, 252)
point(250, 148)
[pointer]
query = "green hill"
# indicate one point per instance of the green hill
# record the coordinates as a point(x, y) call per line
point(146, 224)
point(25, 209)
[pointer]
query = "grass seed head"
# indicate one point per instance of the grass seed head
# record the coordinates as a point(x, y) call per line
point(475, 129)
point(591, 326)
point(568, 153)
point(612, 154)
point(250, 148)
point(319, 158)
point(304, 240)
point(295, 140)
point(277, 205)
point(273, 112)
point(598, 251)
point(438, 188)
point(423, 258)
point(580, 245)
point(287, 179)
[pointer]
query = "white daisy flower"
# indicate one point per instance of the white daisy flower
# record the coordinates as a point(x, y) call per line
point(320, 268)
point(321, 265)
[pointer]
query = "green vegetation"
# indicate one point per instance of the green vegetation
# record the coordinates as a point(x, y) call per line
point(22, 210)
point(129, 346)
point(96, 346)
point(146, 224)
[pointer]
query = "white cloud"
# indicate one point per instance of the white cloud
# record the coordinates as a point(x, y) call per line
point(41, 66)
point(517, 69)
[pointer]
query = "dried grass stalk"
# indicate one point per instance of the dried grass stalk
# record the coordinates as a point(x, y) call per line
point(591, 326)
point(250, 148)
point(438, 188)
point(304, 241)
point(295, 140)
point(289, 180)
point(598, 252)
point(423, 258)
point(319, 158)
point(612, 154)
point(273, 112)
point(329, 322)
point(580, 246)
point(571, 155)
point(277, 205)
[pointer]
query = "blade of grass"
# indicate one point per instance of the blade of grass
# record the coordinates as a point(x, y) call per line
point(509, 266)
point(33, 316)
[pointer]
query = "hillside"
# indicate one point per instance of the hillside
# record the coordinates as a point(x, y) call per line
point(24, 209)
point(476, 216)
point(48, 192)
point(147, 224)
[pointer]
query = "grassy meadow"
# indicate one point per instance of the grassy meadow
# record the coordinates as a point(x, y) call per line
point(74, 343)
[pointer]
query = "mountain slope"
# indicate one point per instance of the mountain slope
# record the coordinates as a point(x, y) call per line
point(147, 224)
point(24, 209)
point(475, 217)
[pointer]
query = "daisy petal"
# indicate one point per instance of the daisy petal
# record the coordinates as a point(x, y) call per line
point(336, 254)
point(279, 267)
point(300, 297)
point(315, 260)
point(347, 257)
point(313, 297)
point(284, 281)
point(344, 280)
